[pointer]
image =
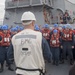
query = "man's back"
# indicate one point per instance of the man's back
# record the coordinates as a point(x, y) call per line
point(28, 51)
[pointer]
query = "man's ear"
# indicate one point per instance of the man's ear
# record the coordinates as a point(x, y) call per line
point(33, 23)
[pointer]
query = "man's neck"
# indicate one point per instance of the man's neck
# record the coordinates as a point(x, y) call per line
point(29, 28)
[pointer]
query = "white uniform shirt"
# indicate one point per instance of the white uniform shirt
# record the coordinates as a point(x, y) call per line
point(28, 51)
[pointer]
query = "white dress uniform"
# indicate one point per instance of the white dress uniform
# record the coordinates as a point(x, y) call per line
point(28, 53)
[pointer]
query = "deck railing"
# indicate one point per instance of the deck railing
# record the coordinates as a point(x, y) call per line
point(23, 3)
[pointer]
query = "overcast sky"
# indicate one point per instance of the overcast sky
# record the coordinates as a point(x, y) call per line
point(73, 1)
point(2, 6)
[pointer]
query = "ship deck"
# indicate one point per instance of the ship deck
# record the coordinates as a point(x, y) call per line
point(62, 69)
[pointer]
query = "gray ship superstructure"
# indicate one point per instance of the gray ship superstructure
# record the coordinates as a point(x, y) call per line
point(46, 11)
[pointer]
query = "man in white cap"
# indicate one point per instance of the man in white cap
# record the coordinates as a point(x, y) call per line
point(29, 48)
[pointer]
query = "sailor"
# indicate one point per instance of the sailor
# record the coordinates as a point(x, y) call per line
point(29, 48)
point(46, 33)
point(10, 53)
point(56, 27)
point(63, 28)
point(59, 29)
point(5, 43)
point(67, 43)
point(14, 31)
point(37, 28)
point(21, 28)
point(61, 50)
point(18, 28)
point(74, 45)
point(55, 46)
point(2, 52)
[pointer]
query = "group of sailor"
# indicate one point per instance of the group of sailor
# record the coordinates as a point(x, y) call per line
point(61, 41)
point(5, 45)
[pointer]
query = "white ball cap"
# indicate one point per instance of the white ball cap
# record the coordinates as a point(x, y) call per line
point(28, 16)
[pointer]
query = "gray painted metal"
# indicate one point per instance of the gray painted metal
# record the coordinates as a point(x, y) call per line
point(14, 10)
point(14, 15)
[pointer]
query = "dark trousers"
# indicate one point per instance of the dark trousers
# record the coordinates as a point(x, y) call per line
point(61, 54)
point(67, 49)
point(2, 54)
point(48, 41)
point(6, 52)
point(74, 53)
point(55, 52)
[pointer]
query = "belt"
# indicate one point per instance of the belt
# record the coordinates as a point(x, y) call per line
point(40, 70)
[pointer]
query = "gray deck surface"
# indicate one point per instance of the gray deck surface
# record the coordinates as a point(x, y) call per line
point(62, 69)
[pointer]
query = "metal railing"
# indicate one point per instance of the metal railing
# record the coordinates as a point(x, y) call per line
point(13, 4)
point(17, 3)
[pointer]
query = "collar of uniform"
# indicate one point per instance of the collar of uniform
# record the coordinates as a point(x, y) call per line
point(28, 30)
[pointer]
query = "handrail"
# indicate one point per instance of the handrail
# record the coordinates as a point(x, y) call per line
point(18, 3)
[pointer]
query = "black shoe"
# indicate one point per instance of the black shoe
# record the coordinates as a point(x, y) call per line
point(57, 63)
point(62, 62)
point(1, 70)
point(7, 65)
point(11, 69)
point(71, 62)
point(49, 61)
point(53, 63)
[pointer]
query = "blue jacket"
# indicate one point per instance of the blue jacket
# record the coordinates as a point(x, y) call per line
point(46, 50)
